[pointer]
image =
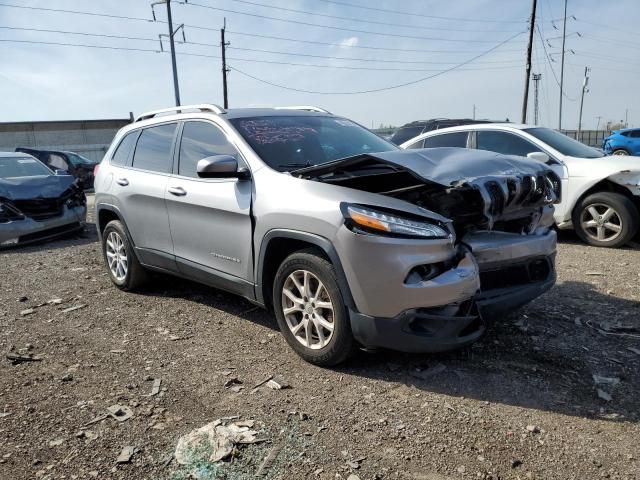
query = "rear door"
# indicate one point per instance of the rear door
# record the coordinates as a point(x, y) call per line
point(210, 218)
point(140, 189)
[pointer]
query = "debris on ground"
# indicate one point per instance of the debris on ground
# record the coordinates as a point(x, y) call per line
point(429, 372)
point(268, 461)
point(126, 454)
point(27, 311)
point(155, 388)
point(57, 442)
point(120, 412)
point(533, 429)
point(74, 308)
point(16, 358)
point(214, 442)
point(599, 380)
point(278, 383)
point(595, 274)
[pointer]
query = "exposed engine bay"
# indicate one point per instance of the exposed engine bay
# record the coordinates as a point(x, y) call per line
point(476, 189)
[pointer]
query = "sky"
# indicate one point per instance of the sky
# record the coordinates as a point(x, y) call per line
point(453, 56)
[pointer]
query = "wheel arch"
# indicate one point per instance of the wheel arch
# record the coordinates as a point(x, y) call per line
point(610, 186)
point(279, 244)
point(107, 213)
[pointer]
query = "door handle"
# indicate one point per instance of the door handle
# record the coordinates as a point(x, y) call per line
point(122, 181)
point(177, 191)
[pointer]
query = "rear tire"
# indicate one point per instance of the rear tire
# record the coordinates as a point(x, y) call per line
point(123, 266)
point(606, 219)
point(316, 323)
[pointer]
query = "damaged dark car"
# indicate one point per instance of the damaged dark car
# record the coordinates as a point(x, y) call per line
point(35, 203)
point(346, 238)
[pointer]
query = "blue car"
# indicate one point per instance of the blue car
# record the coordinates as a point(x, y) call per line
point(622, 142)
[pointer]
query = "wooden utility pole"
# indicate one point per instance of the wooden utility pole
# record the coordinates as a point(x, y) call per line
point(224, 45)
point(585, 82)
point(525, 98)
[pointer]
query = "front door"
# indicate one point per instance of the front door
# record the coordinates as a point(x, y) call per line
point(210, 218)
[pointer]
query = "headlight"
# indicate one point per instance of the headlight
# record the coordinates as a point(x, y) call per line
point(372, 221)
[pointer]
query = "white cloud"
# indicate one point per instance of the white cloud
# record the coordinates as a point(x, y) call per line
point(348, 42)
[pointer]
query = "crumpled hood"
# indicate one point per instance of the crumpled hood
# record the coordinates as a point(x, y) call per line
point(445, 166)
point(26, 188)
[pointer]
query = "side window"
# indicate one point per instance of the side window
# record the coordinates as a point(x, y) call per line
point(635, 134)
point(56, 161)
point(201, 140)
point(455, 139)
point(418, 144)
point(153, 151)
point(505, 143)
point(121, 155)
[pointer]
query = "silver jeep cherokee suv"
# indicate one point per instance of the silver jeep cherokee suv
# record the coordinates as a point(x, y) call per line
point(348, 239)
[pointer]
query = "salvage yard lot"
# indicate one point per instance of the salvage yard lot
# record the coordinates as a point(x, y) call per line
point(522, 403)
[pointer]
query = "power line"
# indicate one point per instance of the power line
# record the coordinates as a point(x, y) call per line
point(404, 84)
point(78, 12)
point(250, 60)
point(42, 30)
point(337, 44)
point(359, 20)
point(359, 59)
point(344, 29)
point(415, 14)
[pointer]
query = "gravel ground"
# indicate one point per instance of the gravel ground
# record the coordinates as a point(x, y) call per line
point(520, 404)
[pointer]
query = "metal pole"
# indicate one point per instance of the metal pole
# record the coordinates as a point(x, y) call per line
point(223, 45)
point(525, 98)
point(585, 82)
point(564, 38)
point(474, 111)
point(176, 87)
point(536, 81)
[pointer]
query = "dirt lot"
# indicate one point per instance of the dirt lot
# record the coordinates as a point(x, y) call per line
point(521, 404)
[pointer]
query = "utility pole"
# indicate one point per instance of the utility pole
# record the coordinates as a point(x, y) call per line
point(474, 111)
point(585, 82)
point(599, 117)
point(176, 87)
point(223, 46)
point(536, 80)
point(564, 38)
point(525, 98)
point(626, 117)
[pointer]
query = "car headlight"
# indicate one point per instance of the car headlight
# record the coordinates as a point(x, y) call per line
point(366, 220)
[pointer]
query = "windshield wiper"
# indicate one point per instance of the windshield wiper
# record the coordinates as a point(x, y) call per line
point(294, 165)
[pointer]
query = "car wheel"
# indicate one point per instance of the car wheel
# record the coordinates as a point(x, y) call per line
point(310, 309)
point(620, 151)
point(606, 219)
point(123, 265)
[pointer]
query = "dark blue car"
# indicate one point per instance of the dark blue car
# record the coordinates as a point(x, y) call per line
point(622, 142)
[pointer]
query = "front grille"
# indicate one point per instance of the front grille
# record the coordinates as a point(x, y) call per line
point(497, 198)
point(534, 271)
point(51, 232)
point(42, 208)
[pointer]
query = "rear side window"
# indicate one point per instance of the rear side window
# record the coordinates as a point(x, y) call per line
point(201, 140)
point(505, 143)
point(418, 144)
point(406, 133)
point(635, 134)
point(57, 162)
point(456, 139)
point(153, 151)
point(121, 155)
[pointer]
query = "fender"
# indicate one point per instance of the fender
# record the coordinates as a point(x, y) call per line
point(320, 242)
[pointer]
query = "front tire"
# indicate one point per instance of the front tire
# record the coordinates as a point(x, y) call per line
point(606, 219)
point(310, 309)
point(620, 151)
point(123, 266)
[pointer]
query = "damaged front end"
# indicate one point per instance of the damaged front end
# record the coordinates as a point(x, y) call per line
point(500, 254)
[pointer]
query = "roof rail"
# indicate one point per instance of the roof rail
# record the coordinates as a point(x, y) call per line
point(308, 108)
point(205, 107)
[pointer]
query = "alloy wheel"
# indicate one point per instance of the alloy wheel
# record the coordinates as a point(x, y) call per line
point(601, 222)
point(308, 309)
point(116, 256)
point(620, 152)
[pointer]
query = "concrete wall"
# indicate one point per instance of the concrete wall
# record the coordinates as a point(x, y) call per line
point(90, 138)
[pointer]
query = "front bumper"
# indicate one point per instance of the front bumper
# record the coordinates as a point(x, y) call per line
point(511, 270)
point(22, 232)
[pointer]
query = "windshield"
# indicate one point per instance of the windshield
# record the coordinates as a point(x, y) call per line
point(14, 167)
point(287, 143)
point(78, 159)
point(563, 144)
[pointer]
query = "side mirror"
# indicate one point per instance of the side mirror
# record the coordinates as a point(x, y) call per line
point(220, 166)
point(539, 156)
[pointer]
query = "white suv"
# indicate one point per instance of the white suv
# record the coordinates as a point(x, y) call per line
point(600, 195)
